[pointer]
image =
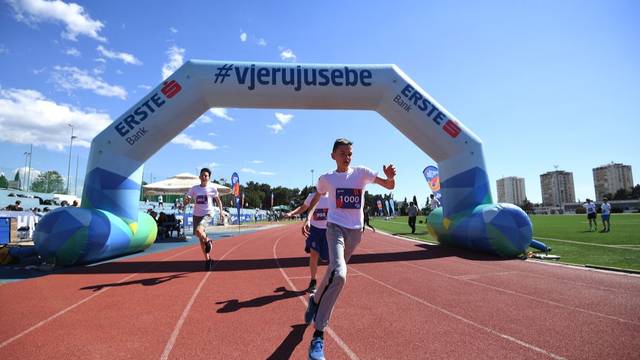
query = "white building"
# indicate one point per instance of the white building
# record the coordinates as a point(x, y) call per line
point(608, 179)
point(511, 190)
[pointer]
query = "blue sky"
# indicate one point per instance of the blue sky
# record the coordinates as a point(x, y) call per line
point(542, 83)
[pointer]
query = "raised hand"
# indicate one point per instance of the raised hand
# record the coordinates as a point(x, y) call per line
point(389, 171)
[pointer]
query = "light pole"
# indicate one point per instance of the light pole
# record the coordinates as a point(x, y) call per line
point(24, 172)
point(311, 177)
point(29, 173)
point(69, 165)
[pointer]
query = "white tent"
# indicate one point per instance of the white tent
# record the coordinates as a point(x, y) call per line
point(179, 185)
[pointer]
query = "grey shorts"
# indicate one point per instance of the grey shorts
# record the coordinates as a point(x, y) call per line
point(202, 221)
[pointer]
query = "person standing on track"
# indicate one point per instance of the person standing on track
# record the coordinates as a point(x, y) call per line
point(315, 229)
point(367, 209)
point(204, 194)
point(345, 189)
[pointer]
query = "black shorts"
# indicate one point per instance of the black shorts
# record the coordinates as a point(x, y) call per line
point(591, 215)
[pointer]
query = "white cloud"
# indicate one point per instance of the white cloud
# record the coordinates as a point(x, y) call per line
point(288, 55)
point(275, 127)
point(38, 71)
point(176, 59)
point(221, 113)
point(268, 173)
point(24, 173)
point(144, 87)
point(125, 57)
point(76, 20)
point(100, 60)
point(193, 144)
point(283, 118)
point(248, 170)
point(212, 165)
point(257, 161)
point(212, 134)
point(243, 36)
point(71, 78)
point(28, 117)
point(3, 49)
point(173, 30)
point(205, 119)
point(262, 42)
point(73, 52)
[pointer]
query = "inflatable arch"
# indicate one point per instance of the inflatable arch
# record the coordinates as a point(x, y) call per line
point(109, 223)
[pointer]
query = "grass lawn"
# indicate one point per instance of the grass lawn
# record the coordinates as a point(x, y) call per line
point(567, 235)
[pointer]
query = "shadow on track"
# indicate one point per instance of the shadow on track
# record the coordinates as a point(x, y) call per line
point(281, 294)
point(424, 252)
point(285, 350)
point(143, 282)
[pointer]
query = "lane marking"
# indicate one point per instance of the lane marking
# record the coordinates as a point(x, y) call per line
point(592, 244)
point(463, 319)
point(328, 329)
point(62, 312)
point(176, 331)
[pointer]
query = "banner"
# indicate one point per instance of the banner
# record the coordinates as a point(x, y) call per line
point(235, 185)
point(433, 180)
point(272, 200)
point(386, 205)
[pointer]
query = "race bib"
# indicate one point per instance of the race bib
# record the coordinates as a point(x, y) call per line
point(201, 199)
point(320, 214)
point(348, 198)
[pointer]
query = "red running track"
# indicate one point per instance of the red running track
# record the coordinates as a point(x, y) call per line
point(403, 300)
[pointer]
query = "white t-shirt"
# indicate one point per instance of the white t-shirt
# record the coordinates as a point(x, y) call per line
point(319, 216)
point(346, 195)
point(434, 203)
point(606, 208)
point(203, 197)
point(159, 198)
point(591, 208)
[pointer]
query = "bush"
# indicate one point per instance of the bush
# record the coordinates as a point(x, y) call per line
point(581, 210)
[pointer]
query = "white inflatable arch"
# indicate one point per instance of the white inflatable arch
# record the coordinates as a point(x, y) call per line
point(109, 223)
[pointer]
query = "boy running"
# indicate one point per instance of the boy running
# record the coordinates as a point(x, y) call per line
point(345, 189)
point(315, 230)
point(203, 194)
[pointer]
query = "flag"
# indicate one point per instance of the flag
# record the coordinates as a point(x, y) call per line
point(235, 185)
point(433, 179)
point(272, 200)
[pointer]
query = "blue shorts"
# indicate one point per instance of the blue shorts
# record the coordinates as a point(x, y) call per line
point(605, 216)
point(317, 240)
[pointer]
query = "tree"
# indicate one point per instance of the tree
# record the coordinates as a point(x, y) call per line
point(415, 200)
point(527, 206)
point(48, 182)
point(4, 183)
point(635, 193)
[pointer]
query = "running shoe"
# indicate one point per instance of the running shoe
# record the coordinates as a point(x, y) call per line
point(312, 286)
point(316, 349)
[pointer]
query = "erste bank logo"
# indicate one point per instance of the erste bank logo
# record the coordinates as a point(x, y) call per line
point(129, 127)
point(410, 97)
point(296, 77)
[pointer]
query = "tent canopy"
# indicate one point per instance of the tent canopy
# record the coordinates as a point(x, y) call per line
point(179, 185)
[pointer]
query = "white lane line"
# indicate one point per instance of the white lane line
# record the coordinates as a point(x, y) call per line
point(176, 331)
point(463, 319)
point(590, 244)
point(511, 292)
point(62, 312)
point(328, 329)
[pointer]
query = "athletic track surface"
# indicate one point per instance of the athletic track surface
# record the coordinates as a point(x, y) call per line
point(403, 300)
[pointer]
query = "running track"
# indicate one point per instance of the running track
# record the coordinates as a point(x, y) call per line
point(403, 300)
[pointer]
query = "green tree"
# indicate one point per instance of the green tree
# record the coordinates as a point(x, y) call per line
point(4, 183)
point(48, 182)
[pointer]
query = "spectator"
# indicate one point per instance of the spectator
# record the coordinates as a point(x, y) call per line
point(412, 211)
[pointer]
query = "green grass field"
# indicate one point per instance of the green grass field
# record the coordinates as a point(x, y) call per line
point(567, 235)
